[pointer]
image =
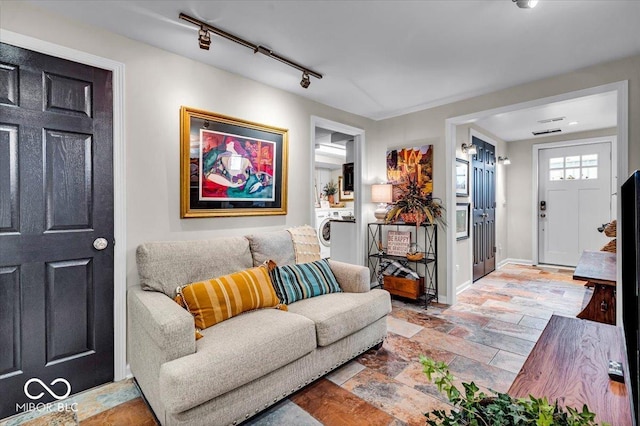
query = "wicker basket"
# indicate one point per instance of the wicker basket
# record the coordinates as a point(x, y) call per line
point(610, 229)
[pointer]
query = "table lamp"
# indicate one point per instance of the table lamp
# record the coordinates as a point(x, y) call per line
point(381, 193)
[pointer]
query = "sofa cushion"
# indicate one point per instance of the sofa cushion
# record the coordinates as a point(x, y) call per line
point(304, 280)
point(221, 298)
point(165, 265)
point(233, 353)
point(339, 315)
point(306, 245)
point(276, 246)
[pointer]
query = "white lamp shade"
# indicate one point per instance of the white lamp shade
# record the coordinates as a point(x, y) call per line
point(382, 193)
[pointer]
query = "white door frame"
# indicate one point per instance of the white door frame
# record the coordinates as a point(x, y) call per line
point(120, 369)
point(358, 153)
point(535, 237)
point(622, 90)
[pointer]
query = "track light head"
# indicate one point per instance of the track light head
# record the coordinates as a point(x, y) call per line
point(305, 82)
point(526, 4)
point(204, 39)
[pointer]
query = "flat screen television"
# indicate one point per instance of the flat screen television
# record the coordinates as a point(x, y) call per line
point(629, 233)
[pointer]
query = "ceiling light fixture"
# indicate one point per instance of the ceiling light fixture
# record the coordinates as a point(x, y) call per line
point(204, 40)
point(469, 149)
point(305, 82)
point(526, 4)
point(573, 123)
point(504, 160)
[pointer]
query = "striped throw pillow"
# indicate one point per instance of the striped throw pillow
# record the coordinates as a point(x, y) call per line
point(304, 280)
point(219, 299)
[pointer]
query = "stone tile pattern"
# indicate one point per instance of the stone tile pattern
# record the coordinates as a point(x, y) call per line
point(485, 338)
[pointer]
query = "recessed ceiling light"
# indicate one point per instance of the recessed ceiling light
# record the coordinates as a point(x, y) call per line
point(573, 123)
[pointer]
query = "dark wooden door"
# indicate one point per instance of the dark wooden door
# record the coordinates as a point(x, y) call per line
point(56, 199)
point(484, 209)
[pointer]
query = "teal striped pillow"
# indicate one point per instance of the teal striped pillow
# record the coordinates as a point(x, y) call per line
point(304, 280)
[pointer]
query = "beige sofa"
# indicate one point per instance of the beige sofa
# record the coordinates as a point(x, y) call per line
point(247, 363)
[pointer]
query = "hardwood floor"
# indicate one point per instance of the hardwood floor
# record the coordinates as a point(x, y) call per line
point(484, 338)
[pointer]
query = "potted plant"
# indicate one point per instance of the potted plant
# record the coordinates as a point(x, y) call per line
point(413, 206)
point(330, 190)
point(497, 409)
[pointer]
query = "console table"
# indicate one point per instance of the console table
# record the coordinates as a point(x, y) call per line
point(570, 362)
point(598, 268)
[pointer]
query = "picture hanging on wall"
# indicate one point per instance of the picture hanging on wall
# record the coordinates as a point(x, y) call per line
point(462, 221)
point(342, 194)
point(462, 178)
point(231, 167)
point(415, 164)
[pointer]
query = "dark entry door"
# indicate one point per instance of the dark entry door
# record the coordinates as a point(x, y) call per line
point(56, 200)
point(484, 209)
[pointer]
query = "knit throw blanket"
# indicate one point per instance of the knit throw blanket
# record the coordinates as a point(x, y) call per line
point(305, 244)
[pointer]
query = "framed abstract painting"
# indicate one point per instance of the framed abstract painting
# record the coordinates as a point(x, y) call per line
point(230, 166)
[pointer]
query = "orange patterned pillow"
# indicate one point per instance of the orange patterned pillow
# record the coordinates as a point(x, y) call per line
point(219, 299)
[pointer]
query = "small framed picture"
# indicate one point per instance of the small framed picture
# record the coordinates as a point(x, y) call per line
point(462, 178)
point(342, 194)
point(462, 220)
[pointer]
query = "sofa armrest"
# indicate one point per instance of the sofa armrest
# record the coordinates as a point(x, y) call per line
point(352, 278)
point(169, 326)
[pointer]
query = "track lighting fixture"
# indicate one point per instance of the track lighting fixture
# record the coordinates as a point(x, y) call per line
point(504, 160)
point(526, 4)
point(470, 149)
point(305, 82)
point(204, 40)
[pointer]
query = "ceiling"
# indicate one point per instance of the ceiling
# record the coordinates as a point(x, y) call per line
point(382, 58)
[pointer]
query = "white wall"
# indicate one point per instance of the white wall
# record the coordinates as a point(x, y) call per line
point(520, 188)
point(157, 84)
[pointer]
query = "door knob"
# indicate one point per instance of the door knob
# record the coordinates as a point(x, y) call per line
point(100, 243)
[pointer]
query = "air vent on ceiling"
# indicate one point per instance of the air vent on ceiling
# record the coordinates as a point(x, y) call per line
point(546, 132)
point(551, 120)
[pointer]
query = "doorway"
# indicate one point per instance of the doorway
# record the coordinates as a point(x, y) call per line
point(56, 242)
point(484, 208)
point(324, 169)
point(574, 199)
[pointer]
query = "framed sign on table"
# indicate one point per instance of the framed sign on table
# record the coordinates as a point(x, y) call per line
point(462, 178)
point(398, 243)
point(230, 166)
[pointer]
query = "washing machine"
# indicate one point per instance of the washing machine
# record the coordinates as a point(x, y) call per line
point(323, 227)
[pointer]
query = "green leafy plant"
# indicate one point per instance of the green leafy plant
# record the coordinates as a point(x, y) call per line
point(330, 188)
point(415, 206)
point(475, 408)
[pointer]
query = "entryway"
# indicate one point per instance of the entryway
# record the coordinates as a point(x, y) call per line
point(574, 199)
point(56, 228)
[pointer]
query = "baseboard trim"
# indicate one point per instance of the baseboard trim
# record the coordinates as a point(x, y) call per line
point(465, 285)
point(515, 262)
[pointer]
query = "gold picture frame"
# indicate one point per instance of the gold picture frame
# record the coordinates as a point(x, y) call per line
point(230, 166)
point(344, 195)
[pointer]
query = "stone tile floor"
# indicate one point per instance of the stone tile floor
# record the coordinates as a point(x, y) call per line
point(485, 337)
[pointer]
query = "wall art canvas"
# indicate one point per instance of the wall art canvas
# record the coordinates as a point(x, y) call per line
point(462, 221)
point(462, 178)
point(231, 167)
point(410, 164)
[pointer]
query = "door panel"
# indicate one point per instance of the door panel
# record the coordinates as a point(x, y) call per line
point(484, 208)
point(56, 198)
point(575, 184)
point(9, 211)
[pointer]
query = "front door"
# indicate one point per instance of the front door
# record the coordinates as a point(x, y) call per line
point(484, 209)
point(56, 217)
point(574, 199)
